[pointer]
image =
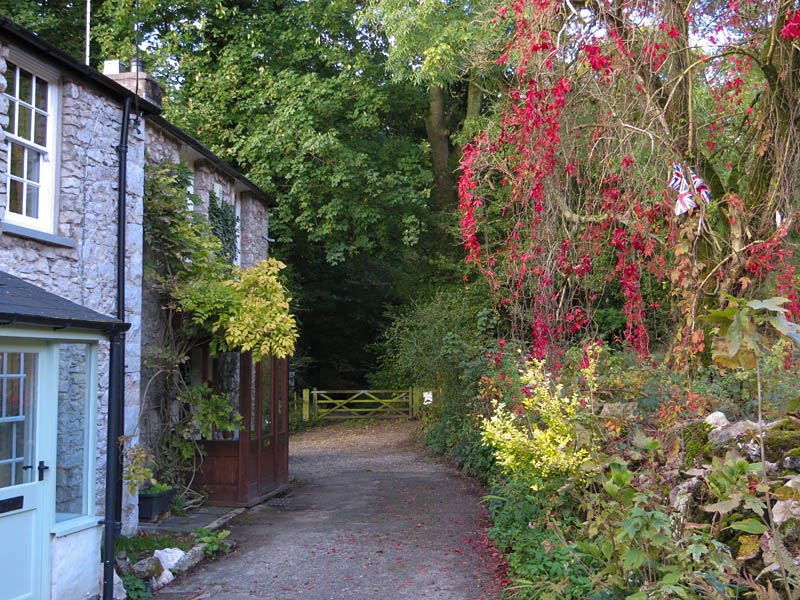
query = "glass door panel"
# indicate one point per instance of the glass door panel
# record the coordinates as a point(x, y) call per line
point(17, 392)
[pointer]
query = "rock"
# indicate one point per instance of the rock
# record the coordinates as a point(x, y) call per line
point(119, 589)
point(783, 510)
point(733, 431)
point(163, 579)
point(147, 568)
point(618, 411)
point(791, 461)
point(169, 557)
point(717, 419)
point(190, 559)
point(123, 563)
point(681, 495)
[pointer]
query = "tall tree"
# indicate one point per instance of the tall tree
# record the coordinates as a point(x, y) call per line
point(608, 103)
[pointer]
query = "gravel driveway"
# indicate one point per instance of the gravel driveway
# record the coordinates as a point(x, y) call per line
point(370, 516)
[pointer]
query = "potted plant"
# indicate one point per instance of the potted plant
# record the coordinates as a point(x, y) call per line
point(154, 501)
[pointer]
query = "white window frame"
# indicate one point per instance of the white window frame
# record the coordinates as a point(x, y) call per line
point(45, 221)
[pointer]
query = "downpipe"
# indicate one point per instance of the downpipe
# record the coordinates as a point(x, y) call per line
point(116, 378)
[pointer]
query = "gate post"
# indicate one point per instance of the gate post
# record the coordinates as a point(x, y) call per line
point(306, 414)
point(315, 406)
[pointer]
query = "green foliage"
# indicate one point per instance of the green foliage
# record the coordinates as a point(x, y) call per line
point(439, 344)
point(135, 587)
point(297, 95)
point(631, 539)
point(214, 541)
point(143, 545)
point(156, 488)
point(224, 224)
point(434, 41)
point(530, 528)
point(741, 325)
point(245, 309)
point(536, 430)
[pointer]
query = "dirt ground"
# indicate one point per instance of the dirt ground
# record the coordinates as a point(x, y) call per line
point(371, 515)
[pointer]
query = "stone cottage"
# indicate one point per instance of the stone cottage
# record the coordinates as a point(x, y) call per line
point(73, 147)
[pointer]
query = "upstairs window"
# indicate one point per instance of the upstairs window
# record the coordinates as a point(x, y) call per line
point(31, 142)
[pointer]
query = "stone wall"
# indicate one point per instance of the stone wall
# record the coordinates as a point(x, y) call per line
point(255, 230)
point(83, 268)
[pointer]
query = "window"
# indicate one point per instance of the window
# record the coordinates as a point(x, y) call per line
point(74, 437)
point(31, 141)
point(17, 393)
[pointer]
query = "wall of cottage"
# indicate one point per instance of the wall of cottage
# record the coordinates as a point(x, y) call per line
point(82, 267)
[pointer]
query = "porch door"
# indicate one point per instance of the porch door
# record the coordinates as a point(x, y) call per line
point(25, 479)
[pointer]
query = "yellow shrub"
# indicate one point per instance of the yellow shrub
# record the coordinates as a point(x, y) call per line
point(538, 435)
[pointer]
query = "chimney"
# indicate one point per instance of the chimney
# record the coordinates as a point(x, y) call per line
point(148, 88)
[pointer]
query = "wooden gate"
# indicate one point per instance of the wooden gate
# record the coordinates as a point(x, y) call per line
point(360, 404)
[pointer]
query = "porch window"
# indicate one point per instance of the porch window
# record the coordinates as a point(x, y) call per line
point(17, 391)
point(74, 445)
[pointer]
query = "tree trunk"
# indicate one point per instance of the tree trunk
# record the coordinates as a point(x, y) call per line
point(444, 189)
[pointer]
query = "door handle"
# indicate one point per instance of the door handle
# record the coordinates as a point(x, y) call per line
point(42, 468)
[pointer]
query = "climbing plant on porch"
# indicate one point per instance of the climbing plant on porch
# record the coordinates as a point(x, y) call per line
point(204, 299)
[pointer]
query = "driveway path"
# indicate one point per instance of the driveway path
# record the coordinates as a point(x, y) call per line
point(371, 516)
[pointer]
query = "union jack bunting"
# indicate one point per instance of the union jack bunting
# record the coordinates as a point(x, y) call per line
point(685, 197)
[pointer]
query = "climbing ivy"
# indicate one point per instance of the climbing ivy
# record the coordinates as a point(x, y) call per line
point(224, 224)
point(205, 299)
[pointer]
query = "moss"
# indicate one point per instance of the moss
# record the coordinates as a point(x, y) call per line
point(793, 453)
point(782, 440)
point(695, 443)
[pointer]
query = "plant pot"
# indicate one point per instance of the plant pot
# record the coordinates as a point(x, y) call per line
point(153, 505)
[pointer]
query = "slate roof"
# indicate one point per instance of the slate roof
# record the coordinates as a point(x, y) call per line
point(22, 303)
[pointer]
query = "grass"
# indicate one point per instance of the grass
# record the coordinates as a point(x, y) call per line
point(143, 545)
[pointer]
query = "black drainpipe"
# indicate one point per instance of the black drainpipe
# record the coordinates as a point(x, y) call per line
point(116, 378)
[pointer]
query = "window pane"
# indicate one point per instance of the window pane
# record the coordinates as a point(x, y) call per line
point(6, 439)
point(33, 160)
point(13, 363)
point(15, 201)
point(17, 430)
point(41, 94)
point(12, 398)
point(24, 125)
point(73, 403)
point(12, 117)
point(17, 153)
point(25, 86)
point(40, 128)
point(32, 201)
point(11, 78)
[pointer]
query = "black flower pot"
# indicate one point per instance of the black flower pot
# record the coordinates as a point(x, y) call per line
point(153, 505)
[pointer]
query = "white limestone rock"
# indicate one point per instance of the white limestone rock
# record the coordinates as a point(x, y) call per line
point(191, 559)
point(163, 579)
point(169, 557)
point(717, 419)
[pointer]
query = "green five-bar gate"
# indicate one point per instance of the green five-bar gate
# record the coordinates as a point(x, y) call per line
point(361, 404)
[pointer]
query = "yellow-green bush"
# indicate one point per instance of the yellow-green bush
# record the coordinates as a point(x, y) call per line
point(538, 434)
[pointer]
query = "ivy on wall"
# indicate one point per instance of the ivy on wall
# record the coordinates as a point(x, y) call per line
point(224, 224)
